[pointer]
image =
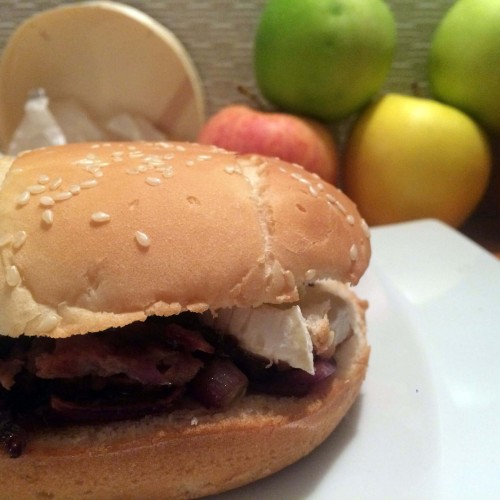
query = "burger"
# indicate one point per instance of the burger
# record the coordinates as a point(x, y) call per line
point(176, 320)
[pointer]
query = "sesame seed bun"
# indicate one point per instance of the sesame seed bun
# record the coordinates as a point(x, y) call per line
point(100, 235)
point(157, 229)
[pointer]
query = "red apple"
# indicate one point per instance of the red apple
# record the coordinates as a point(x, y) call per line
point(297, 140)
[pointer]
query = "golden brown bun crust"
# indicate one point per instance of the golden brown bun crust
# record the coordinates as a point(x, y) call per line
point(224, 230)
point(186, 454)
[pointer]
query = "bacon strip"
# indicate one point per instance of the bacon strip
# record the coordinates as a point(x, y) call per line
point(9, 368)
point(148, 359)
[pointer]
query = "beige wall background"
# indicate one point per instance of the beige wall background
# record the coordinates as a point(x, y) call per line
point(218, 34)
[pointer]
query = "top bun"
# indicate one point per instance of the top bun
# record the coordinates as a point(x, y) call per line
point(99, 235)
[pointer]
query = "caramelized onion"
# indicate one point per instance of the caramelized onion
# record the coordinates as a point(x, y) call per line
point(218, 384)
point(295, 382)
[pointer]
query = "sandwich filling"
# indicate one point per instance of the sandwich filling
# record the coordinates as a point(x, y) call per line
point(164, 363)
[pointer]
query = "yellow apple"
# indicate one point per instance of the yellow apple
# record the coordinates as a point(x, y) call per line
point(410, 158)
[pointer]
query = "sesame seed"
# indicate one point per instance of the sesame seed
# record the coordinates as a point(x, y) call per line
point(169, 157)
point(353, 252)
point(132, 171)
point(310, 274)
point(36, 188)
point(100, 217)
point(142, 239)
point(135, 154)
point(168, 172)
point(63, 195)
point(74, 189)
point(48, 217)
point(313, 191)
point(47, 322)
point(154, 161)
point(189, 163)
point(55, 184)
point(365, 228)
point(47, 201)
point(19, 239)
point(43, 179)
point(340, 206)
point(153, 181)
point(203, 157)
point(180, 148)
point(229, 169)
point(289, 279)
point(89, 183)
point(320, 186)
point(12, 276)
point(251, 161)
point(86, 162)
point(350, 219)
point(23, 198)
point(330, 198)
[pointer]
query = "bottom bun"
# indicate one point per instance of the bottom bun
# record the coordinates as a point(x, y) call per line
point(187, 453)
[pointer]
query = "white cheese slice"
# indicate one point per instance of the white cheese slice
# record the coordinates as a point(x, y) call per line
point(324, 317)
point(272, 332)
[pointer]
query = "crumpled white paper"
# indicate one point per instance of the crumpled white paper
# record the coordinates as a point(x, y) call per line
point(65, 121)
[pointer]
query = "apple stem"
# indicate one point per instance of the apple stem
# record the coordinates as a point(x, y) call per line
point(416, 89)
point(258, 103)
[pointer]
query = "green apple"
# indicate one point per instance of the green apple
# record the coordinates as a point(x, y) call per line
point(464, 62)
point(323, 58)
point(410, 158)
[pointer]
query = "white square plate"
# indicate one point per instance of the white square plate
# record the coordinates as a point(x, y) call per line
point(427, 423)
